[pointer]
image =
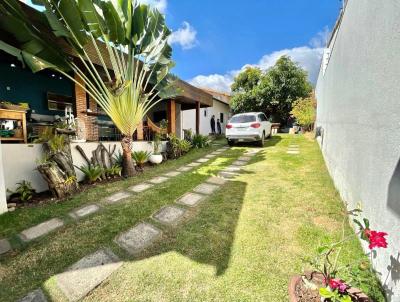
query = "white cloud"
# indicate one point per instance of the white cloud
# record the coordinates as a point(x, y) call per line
point(184, 36)
point(308, 57)
point(161, 5)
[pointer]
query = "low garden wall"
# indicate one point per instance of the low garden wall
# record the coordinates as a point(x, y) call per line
point(19, 162)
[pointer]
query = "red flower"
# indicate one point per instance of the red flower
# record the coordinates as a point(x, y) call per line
point(338, 284)
point(376, 239)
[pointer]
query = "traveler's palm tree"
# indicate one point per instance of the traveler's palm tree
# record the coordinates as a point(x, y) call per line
point(131, 51)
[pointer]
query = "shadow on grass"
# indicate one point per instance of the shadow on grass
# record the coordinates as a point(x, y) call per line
point(208, 233)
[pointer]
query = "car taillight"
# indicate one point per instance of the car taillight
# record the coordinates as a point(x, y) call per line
point(255, 125)
point(229, 126)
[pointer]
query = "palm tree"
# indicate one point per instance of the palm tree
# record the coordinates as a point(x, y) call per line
point(131, 50)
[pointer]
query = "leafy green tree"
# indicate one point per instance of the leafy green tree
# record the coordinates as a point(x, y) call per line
point(130, 37)
point(304, 110)
point(273, 91)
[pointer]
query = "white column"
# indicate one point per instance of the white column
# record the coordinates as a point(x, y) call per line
point(3, 200)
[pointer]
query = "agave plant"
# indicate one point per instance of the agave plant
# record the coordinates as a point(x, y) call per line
point(129, 72)
point(140, 158)
point(92, 173)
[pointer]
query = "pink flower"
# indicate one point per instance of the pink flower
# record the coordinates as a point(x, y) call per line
point(376, 239)
point(338, 284)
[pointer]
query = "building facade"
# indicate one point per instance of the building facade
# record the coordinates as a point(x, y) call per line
point(220, 109)
point(358, 115)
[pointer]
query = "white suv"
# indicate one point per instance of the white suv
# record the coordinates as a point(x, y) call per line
point(248, 127)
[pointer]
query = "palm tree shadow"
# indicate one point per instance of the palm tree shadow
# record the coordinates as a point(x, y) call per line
point(208, 234)
point(393, 196)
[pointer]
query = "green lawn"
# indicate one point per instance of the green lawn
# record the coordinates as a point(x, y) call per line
point(241, 244)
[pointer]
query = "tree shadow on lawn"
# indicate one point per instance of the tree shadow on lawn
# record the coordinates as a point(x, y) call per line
point(207, 233)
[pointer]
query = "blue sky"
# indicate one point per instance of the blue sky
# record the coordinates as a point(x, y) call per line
point(214, 39)
point(227, 35)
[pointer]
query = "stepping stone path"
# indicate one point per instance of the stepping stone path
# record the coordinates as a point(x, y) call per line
point(244, 158)
point(35, 296)
point(41, 229)
point(184, 169)
point(216, 180)
point(117, 197)
point(228, 175)
point(190, 199)
point(5, 246)
point(206, 189)
point(86, 274)
point(138, 238)
point(159, 180)
point(172, 174)
point(210, 155)
point(84, 211)
point(169, 215)
point(239, 163)
point(232, 169)
point(140, 187)
point(194, 164)
point(203, 160)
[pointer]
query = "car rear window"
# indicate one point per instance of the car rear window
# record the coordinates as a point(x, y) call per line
point(243, 119)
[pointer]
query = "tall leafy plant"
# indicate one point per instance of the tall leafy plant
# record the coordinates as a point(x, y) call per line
point(126, 74)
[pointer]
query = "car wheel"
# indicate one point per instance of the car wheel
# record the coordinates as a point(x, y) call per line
point(231, 142)
point(262, 140)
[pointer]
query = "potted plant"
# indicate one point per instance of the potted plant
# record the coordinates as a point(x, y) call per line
point(156, 158)
point(140, 158)
point(327, 282)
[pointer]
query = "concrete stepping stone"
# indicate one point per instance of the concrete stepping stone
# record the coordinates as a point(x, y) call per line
point(190, 199)
point(169, 215)
point(117, 197)
point(216, 153)
point(252, 152)
point(138, 238)
point(210, 155)
point(84, 211)
point(239, 163)
point(86, 274)
point(140, 187)
point(172, 174)
point(203, 160)
point(244, 158)
point(159, 179)
point(232, 169)
point(205, 188)
point(293, 146)
point(227, 175)
point(5, 246)
point(293, 152)
point(41, 229)
point(216, 180)
point(184, 169)
point(34, 296)
point(193, 164)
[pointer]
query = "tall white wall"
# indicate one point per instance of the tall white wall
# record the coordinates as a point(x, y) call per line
point(359, 111)
point(189, 117)
point(3, 201)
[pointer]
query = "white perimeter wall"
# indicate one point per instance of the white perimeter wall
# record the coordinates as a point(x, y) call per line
point(19, 162)
point(359, 111)
point(189, 117)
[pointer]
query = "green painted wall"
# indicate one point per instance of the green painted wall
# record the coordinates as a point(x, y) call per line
point(26, 87)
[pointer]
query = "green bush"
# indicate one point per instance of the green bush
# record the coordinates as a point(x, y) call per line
point(177, 147)
point(92, 173)
point(24, 191)
point(200, 141)
point(140, 158)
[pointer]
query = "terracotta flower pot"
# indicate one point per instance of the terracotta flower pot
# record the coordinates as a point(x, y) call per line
point(356, 294)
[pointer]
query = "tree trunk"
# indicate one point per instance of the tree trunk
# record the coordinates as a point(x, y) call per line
point(128, 170)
